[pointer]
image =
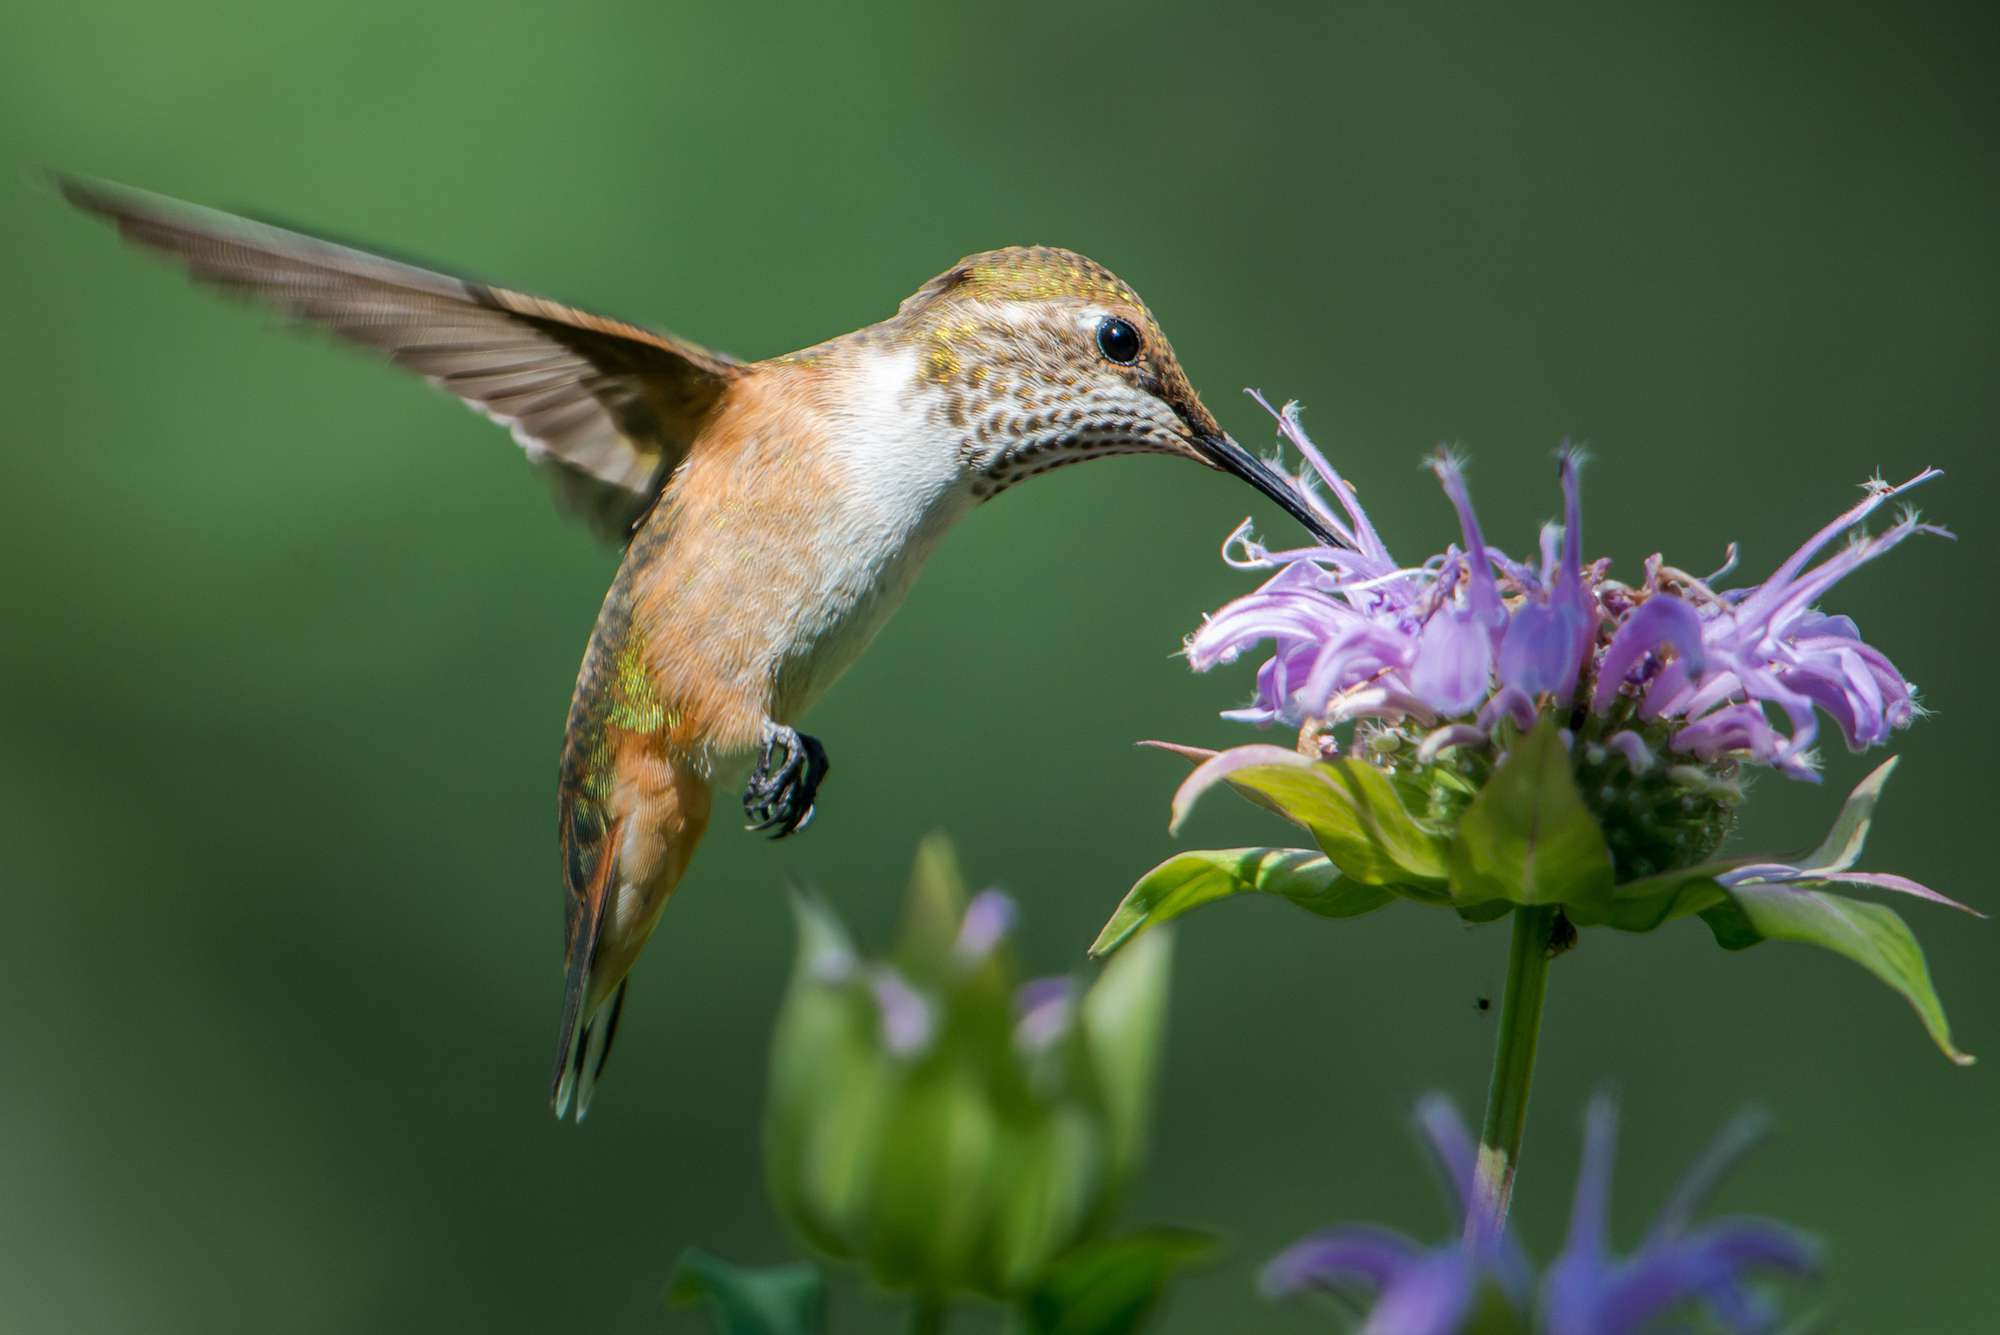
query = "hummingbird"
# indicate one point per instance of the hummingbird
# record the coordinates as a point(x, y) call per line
point(773, 514)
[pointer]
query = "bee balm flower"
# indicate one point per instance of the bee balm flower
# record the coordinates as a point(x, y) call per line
point(1486, 733)
point(1478, 1282)
point(1674, 666)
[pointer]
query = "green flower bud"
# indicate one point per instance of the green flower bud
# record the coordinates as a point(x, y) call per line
point(942, 1123)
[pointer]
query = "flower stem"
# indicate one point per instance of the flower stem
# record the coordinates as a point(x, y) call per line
point(927, 1313)
point(1513, 1068)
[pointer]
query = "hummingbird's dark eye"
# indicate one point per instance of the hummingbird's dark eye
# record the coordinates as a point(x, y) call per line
point(1118, 340)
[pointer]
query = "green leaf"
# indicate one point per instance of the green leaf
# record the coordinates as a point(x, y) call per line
point(1842, 846)
point(944, 1157)
point(1869, 934)
point(932, 912)
point(1528, 837)
point(778, 1300)
point(1187, 881)
point(1378, 828)
point(1642, 905)
point(828, 1084)
point(1052, 1189)
point(1110, 1287)
point(1350, 807)
point(1124, 1017)
point(1653, 901)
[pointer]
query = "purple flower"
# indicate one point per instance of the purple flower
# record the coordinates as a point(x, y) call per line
point(1471, 636)
point(905, 1015)
point(987, 921)
point(1405, 1287)
point(1043, 1009)
point(1591, 1291)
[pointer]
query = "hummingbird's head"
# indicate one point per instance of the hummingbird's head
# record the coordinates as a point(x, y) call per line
point(1040, 357)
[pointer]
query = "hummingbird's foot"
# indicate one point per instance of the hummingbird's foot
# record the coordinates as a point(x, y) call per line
point(779, 796)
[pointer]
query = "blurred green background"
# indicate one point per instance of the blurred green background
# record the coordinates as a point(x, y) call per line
point(289, 639)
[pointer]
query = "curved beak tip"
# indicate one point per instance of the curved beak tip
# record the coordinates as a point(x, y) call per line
point(1219, 450)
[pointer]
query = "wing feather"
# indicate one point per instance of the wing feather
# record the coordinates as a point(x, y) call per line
point(610, 407)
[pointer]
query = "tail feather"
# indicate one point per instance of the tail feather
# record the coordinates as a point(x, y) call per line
point(617, 888)
point(586, 1048)
point(596, 1048)
point(578, 1015)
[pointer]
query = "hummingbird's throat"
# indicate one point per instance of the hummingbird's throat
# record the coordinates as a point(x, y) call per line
point(1023, 431)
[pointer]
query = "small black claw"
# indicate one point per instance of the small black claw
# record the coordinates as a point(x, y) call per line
point(779, 796)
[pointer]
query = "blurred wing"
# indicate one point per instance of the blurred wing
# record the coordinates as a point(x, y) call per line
point(609, 406)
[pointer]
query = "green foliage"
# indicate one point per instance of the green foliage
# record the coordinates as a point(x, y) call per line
point(1110, 1287)
point(776, 1300)
point(1776, 903)
point(1527, 838)
point(1844, 843)
point(1871, 935)
point(1653, 901)
point(1187, 881)
point(1124, 1019)
point(971, 1150)
point(1348, 806)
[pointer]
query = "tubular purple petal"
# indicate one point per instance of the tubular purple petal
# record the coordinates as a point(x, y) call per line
point(1781, 873)
point(1738, 1136)
point(1590, 1211)
point(1857, 710)
point(1451, 1146)
point(1431, 1296)
point(1780, 581)
point(1735, 728)
point(1365, 539)
point(1902, 885)
point(985, 925)
point(1661, 622)
point(1567, 468)
point(1339, 1257)
point(1043, 1007)
point(1510, 702)
point(1668, 692)
point(1770, 611)
point(1633, 747)
point(906, 1016)
point(1705, 1267)
point(1547, 641)
point(1482, 599)
point(1542, 650)
point(1453, 665)
point(1451, 734)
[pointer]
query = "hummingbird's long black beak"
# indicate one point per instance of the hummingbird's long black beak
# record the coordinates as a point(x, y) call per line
point(1230, 457)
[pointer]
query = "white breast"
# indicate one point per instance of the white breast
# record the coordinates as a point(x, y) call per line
point(901, 485)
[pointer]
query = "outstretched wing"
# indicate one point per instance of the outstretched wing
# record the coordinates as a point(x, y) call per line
point(610, 407)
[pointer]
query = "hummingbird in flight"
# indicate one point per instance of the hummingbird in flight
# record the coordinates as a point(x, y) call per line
point(773, 513)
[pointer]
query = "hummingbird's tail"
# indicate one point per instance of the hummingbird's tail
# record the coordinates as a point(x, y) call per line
point(620, 873)
point(583, 1040)
point(580, 1061)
